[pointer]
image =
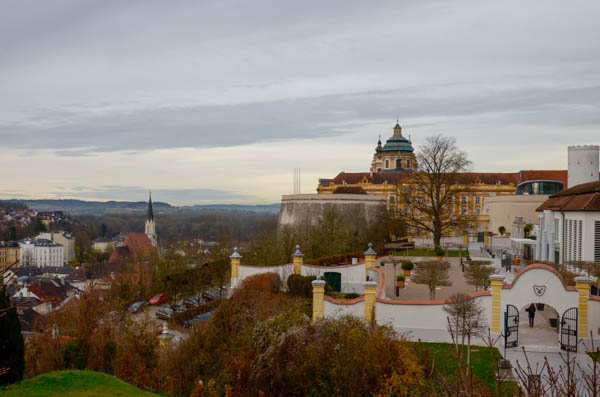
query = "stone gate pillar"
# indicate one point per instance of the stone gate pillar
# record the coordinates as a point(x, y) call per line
point(370, 290)
point(496, 282)
point(297, 260)
point(318, 309)
point(235, 267)
point(370, 256)
point(582, 283)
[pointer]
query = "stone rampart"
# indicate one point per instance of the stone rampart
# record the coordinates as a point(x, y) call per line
point(297, 209)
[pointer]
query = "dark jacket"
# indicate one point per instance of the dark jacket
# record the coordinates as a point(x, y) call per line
point(531, 310)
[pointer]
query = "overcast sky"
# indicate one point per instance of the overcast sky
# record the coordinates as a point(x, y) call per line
point(218, 101)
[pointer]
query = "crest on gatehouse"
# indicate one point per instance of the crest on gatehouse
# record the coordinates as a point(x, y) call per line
point(539, 289)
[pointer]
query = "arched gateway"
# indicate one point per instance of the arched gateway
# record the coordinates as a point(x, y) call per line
point(543, 285)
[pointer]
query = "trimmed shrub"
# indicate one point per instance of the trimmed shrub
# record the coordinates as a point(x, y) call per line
point(295, 284)
point(408, 265)
point(351, 295)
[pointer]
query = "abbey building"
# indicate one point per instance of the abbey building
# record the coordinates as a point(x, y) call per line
point(395, 162)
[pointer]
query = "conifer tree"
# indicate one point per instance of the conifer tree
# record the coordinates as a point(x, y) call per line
point(12, 347)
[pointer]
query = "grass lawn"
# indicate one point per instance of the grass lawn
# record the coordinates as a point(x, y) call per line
point(428, 252)
point(73, 384)
point(482, 361)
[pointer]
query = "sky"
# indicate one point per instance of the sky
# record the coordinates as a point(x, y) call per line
point(218, 101)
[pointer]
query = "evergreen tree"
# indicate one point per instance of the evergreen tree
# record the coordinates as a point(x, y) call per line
point(12, 347)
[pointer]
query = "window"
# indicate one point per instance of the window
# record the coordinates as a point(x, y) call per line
point(387, 163)
point(398, 163)
point(407, 163)
point(463, 200)
point(463, 211)
point(597, 241)
point(477, 200)
point(476, 211)
point(579, 240)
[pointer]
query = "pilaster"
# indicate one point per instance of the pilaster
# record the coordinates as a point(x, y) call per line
point(582, 284)
point(318, 307)
point(370, 290)
point(496, 282)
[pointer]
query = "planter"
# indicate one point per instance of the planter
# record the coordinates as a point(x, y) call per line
point(400, 284)
point(516, 269)
point(440, 258)
point(540, 306)
point(554, 322)
point(407, 273)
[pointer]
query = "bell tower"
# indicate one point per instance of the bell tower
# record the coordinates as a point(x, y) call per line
point(150, 227)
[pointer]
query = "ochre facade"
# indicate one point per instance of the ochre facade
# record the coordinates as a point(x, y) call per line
point(391, 173)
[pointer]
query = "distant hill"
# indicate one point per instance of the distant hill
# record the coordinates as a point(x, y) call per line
point(72, 384)
point(80, 207)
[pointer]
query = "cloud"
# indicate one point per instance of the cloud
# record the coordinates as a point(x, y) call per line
point(117, 92)
point(306, 118)
point(129, 193)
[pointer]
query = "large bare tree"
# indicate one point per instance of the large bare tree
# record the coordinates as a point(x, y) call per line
point(436, 186)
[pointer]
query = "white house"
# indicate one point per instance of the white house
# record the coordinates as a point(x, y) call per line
point(569, 221)
point(66, 239)
point(41, 253)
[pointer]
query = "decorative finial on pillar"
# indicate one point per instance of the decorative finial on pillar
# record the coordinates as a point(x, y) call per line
point(236, 254)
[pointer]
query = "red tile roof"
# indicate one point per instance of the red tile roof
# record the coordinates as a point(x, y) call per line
point(378, 178)
point(489, 178)
point(548, 175)
point(137, 247)
point(584, 197)
point(349, 190)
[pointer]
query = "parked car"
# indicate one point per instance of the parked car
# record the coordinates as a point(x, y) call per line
point(137, 306)
point(158, 299)
point(193, 302)
point(198, 319)
point(211, 294)
point(165, 313)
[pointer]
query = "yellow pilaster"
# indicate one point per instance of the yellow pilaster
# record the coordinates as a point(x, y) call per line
point(318, 288)
point(583, 289)
point(496, 283)
point(235, 264)
point(370, 290)
point(370, 256)
point(466, 239)
point(297, 259)
point(486, 239)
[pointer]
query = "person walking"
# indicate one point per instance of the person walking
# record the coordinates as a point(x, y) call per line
point(531, 310)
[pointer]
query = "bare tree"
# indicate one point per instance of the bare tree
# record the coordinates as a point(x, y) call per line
point(478, 274)
point(436, 189)
point(466, 318)
point(433, 274)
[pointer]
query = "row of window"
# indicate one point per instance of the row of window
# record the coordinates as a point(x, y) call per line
point(398, 163)
point(573, 240)
point(597, 241)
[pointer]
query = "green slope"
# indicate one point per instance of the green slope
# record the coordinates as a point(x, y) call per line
point(73, 384)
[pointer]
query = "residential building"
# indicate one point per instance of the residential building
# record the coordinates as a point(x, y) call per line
point(67, 240)
point(108, 244)
point(41, 253)
point(9, 254)
point(569, 221)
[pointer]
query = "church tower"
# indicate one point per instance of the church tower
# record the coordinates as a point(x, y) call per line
point(150, 228)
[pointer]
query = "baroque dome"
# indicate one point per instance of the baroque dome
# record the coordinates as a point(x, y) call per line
point(398, 144)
